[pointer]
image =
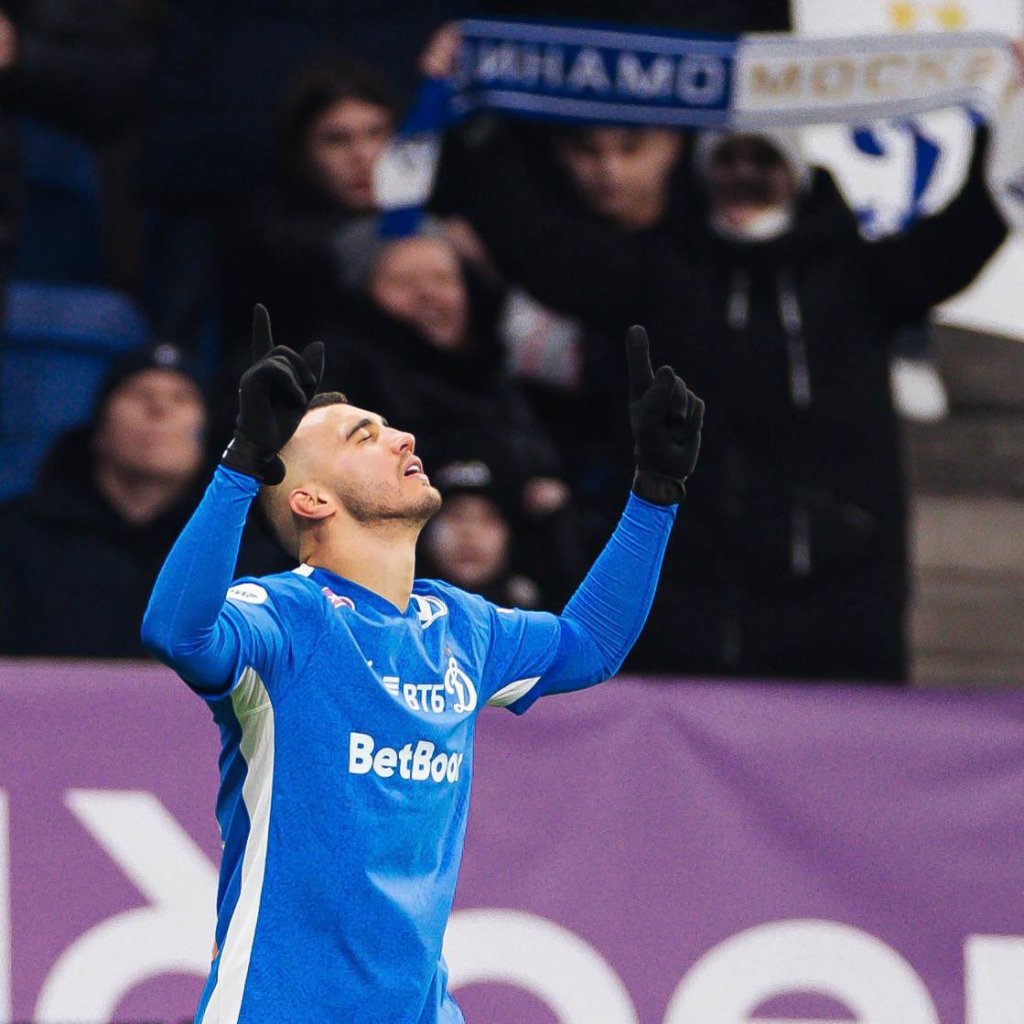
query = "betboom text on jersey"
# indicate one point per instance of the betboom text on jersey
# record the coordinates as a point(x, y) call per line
point(416, 763)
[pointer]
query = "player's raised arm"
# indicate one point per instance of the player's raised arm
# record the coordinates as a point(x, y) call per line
point(185, 624)
point(590, 639)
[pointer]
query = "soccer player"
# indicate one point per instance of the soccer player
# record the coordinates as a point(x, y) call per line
point(346, 691)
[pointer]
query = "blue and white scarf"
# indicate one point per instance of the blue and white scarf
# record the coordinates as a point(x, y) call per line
point(588, 74)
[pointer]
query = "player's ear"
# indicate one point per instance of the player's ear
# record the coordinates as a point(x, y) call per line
point(311, 503)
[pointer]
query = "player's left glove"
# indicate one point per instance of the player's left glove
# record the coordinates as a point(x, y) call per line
point(273, 396)
point(666, 417)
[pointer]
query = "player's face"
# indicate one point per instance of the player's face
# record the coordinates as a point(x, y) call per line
point(342, 146)
point(152, 425)
point(371, 467)
point(622, 173)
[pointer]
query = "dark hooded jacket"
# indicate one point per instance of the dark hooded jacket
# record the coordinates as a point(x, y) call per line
point(280, 251)
point(790, 558)
point(75, 577)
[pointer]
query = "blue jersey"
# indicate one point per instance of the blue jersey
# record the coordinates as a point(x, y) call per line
point(347, 756)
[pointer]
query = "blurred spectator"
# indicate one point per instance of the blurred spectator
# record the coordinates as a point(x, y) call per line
point(631, 179)
point(623, 174)
point(82, 67)
point(226, 63)
point(418, 345)
point(335, 120)
point(79, 555)
point(482, 541)
point(224, 66)
point(792, 561)
point(627, 178)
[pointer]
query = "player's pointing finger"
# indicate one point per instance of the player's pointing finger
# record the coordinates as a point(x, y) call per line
point(262, 341)
point(638, 358)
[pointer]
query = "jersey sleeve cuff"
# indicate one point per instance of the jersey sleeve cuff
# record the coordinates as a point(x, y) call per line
point(648, 511)
point(249, 485)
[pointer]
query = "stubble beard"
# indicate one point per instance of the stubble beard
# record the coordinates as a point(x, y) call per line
point(371, 509)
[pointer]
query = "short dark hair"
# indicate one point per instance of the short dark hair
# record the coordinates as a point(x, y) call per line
point(327, 398)
point(317, 87)
point(263, 515)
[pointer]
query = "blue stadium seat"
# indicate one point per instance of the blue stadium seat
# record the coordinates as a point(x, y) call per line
point(57, 341)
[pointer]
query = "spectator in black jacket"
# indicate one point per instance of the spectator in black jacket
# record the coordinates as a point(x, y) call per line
point(224, 66)
point(78, 556)
point(782, 316)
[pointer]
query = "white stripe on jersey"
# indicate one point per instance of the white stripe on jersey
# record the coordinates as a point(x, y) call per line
point(255, 715)
point(511, 693)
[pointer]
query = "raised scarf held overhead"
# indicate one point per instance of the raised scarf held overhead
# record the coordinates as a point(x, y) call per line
point(587, 74)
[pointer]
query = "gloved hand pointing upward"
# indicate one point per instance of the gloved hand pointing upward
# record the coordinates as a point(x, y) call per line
point(666, 418)
point(273, 396)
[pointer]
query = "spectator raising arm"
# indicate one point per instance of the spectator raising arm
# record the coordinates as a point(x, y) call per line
point(940, 255)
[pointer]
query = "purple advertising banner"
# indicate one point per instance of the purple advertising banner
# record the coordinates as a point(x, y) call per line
point(643, 853)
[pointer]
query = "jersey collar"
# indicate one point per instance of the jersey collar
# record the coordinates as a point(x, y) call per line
point(360, 596)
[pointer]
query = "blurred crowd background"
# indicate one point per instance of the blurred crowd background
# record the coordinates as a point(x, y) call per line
point(164, 165)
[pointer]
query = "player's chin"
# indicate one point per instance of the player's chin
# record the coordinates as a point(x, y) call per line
point(426, 504)
point(431, 500)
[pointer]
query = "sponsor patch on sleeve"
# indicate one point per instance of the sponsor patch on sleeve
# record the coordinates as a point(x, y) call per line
point(248, 593)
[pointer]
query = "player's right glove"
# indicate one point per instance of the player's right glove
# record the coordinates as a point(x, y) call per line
point(273, 396)
point(666, 417)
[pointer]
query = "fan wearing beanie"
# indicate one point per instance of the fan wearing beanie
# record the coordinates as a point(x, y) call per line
point(752, 180)
point(79, 554)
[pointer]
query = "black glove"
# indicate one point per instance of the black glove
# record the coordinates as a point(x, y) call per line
point(273, 396)
point(666, 418)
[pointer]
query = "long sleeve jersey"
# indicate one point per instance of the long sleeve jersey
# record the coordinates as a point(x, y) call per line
point(346, 758)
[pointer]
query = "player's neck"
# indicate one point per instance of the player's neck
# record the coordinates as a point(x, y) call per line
point(380, 557)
